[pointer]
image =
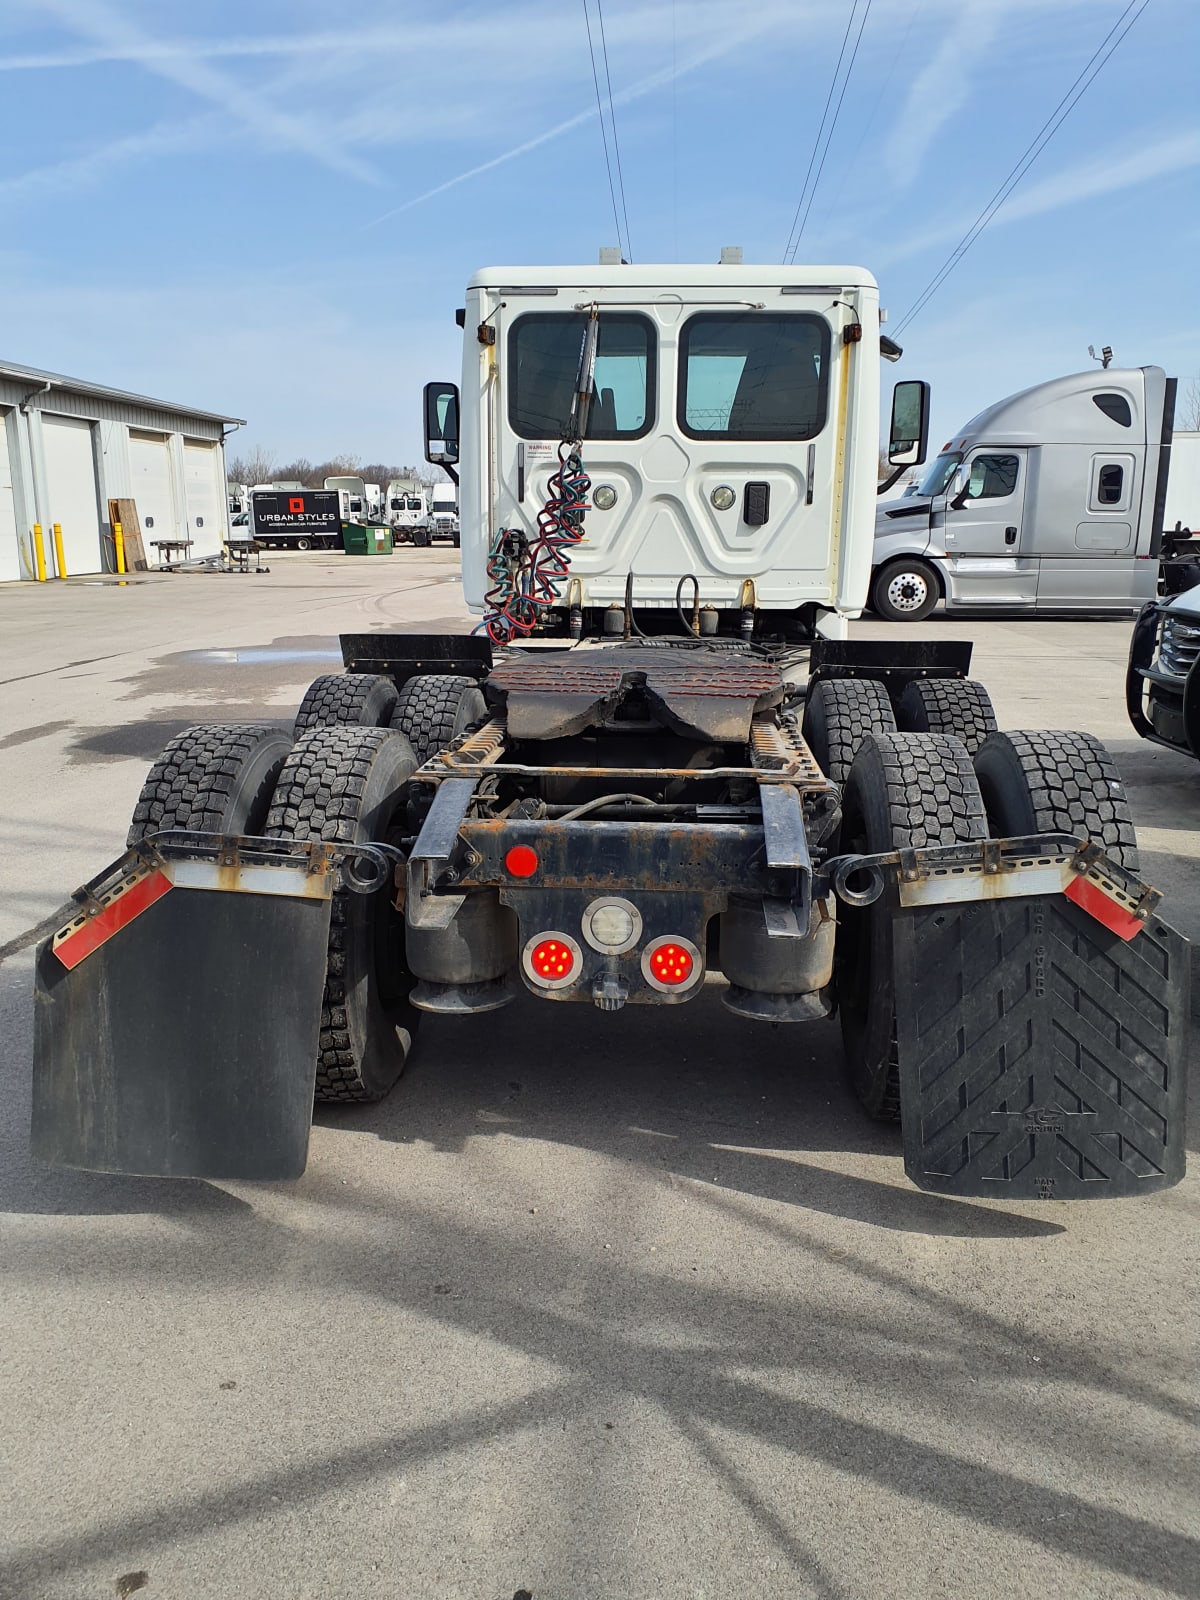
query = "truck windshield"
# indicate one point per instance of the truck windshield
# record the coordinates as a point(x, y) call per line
point(543, 364)
point(753, 375)
point(940, 472)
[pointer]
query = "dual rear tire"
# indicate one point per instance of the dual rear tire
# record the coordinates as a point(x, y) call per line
point(924, 789)
point(344, 779)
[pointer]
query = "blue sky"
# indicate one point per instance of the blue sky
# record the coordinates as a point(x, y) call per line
point(270, 207)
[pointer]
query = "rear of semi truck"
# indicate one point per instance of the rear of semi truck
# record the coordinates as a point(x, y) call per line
point(657, 768)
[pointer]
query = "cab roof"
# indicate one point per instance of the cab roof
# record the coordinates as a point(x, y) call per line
point(697, 275)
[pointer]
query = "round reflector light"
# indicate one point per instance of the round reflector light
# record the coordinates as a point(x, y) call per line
point(552, 960)
point(671, 964)
point(521, 861)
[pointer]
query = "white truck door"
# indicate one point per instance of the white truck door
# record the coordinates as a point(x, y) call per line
point(981, 527)
point(1089, 561)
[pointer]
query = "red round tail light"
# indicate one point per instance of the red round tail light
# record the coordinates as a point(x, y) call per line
point(552, 960)
point(671, 964)
point(521, 861)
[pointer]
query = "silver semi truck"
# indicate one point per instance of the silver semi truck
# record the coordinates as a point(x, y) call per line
point(1054, 499)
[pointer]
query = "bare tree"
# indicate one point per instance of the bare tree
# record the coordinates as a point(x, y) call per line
point(298, 471)
point(1187, 408)
point(257, 467)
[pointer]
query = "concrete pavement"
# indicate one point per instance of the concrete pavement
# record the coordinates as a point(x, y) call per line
point(595, 1306)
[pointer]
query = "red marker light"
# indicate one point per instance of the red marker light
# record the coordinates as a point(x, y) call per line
point(521, 861)
point(552, 960)
point(671, 964)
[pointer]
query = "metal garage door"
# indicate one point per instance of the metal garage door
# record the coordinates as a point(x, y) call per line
point(71, 492)
point(153, 487)
point(10, 557)
point(204, 484)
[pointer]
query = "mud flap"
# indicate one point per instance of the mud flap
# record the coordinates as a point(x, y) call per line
point(184, 1044)
point(1041, 1056)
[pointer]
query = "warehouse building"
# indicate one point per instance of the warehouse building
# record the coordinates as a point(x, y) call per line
point(67, 448)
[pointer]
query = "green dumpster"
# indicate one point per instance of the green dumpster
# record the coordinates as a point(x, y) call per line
point(366, 539)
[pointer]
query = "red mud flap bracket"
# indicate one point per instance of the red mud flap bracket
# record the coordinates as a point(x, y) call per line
point(176, 1017)
point(1042, 1036)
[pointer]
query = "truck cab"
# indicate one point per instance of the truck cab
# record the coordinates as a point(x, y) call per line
point(1049, 500)
point(730, 436)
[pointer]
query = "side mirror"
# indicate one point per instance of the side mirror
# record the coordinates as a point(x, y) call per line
point(908, 436)
point(959, 500)
point(441, 423)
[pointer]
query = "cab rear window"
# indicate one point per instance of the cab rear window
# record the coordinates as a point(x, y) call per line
point(753, 375)
point(543, 365)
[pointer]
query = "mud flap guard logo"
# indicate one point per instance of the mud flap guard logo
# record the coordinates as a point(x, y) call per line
point(1041, 1055)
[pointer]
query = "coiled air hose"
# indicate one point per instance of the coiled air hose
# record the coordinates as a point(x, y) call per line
point(526, 575)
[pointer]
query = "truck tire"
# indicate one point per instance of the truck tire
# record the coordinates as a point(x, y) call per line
point(349, 785)
point(212, 779)
point(420, 537)
point(433, 711)
point(303, 544)
point(358, 699)
point(839, 713)
point(905, 590)
point(1056, 783)
point(905, 789)
point(947, 705)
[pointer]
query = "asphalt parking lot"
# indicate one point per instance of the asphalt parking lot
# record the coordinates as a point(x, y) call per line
point(591, 1305)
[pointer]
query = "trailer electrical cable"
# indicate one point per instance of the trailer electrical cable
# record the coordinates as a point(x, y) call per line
point(526, 574)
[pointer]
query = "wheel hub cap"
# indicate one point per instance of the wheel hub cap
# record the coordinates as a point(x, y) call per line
point(908, 591)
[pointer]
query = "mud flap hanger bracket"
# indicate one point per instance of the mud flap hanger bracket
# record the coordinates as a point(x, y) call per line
point(998, 869)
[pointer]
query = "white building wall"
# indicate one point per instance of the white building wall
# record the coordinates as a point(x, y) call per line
point(38, 452)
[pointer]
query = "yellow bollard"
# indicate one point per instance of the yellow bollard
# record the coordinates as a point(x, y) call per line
point(119, 546)
point(39, 553)
point(60, 560)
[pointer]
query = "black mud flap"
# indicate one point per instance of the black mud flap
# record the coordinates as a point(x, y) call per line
point(1041, 1056)
point(185, 1044)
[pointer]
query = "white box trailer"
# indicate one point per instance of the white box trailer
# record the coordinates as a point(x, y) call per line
point(1181, 508)
point(1054, 499)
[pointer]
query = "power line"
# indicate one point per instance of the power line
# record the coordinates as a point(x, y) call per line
point(1030, 154)
point(837, 111)
point(603, 129)
point(612, 117)
point(793, 239)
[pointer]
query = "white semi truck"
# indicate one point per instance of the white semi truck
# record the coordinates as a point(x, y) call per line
point(1054, 499)
point(442, 521)
point(658, 761)
point(405, 506)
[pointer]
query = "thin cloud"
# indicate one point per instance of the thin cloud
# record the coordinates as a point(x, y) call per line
point(98, 21)
point(161, 139)
point(938, 92)
point(1107, 174)
point(636, 91)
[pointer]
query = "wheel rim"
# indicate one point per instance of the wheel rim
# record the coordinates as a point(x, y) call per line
point(908, 591)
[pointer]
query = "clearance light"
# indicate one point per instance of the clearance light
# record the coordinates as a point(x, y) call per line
point(671, 964)
point(552, 960)
point(521, 861)
point(604, 498)
point(722, 497)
